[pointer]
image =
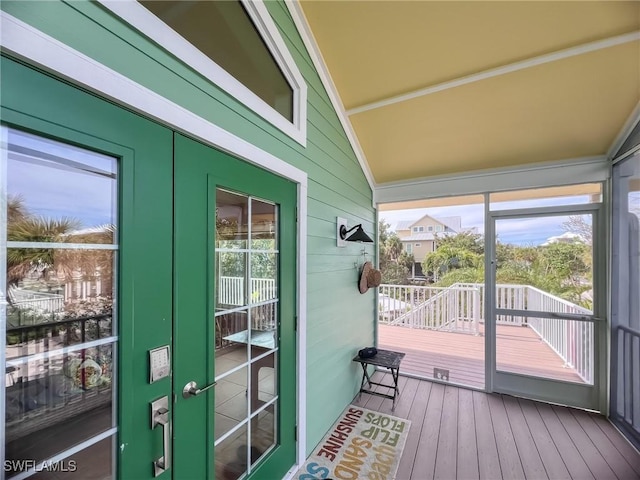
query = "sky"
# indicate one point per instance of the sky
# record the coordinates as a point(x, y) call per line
point(54, 190)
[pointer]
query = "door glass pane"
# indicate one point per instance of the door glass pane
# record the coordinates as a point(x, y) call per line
point(263, 434)
point(263, 225)
point(231, 455)
point(231, 402)
point(246, 331)
point(545, 263)
point(263, 381)
point(230, 333)
point(264, 271)
point(94, 462)
point(232, 213)
point(59, 256)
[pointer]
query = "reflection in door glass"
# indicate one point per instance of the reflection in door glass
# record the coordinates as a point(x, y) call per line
point(246, 331)
point(58, 283)
point(545, 264)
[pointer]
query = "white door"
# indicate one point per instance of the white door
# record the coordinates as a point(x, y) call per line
point(548, 341)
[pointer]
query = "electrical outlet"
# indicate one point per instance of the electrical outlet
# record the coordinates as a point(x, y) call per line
point(441, 374)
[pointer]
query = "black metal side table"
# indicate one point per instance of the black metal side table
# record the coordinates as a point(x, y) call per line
point(385, 359)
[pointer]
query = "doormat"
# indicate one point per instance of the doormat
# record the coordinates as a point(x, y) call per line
point(361, 444)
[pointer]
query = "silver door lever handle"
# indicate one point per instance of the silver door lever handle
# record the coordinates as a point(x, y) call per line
point(160, 416)
point(191, 389)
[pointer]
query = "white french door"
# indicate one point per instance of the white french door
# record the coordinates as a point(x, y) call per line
point(539, 344)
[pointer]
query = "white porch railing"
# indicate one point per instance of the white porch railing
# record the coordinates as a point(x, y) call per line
point(42, 302)
point(451, 309)
point(231, 292)
point(572, 340)
point(460, 308)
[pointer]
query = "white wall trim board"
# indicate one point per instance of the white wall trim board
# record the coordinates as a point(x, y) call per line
point(495, 72)
point(302, 323)
point(323, 72)
point(146, 22)
point(625, 131)
point(39, 49)
point(548, 174)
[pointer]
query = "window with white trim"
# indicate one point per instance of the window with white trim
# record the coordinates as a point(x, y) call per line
point(430, 228)
point(234, 44)
point(417, 244)
point(408, 248)
point(438, 228)
point(417, 229)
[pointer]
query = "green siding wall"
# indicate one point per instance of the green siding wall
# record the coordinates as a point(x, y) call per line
point(339, 319)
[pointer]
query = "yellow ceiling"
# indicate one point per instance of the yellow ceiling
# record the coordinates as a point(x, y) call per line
point(569, 108)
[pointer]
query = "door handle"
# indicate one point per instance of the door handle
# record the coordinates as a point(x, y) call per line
point(160, 416)
point(191, 389)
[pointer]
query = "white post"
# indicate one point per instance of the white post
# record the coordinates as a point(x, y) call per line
point(476, 310)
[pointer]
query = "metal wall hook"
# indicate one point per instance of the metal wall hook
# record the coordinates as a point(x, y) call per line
point(364, 254)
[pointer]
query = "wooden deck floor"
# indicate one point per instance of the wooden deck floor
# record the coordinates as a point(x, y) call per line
point(463, 434)
point(518, 349)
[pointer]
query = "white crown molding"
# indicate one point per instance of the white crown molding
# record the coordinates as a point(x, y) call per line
point(151, 26)
point(325, 77)
point(536, 175)
point(624, 133)
point(503, 70)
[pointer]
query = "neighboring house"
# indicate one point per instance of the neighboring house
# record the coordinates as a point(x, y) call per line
point(419, 236)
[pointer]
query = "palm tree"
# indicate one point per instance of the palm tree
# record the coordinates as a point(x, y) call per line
point(48, 263)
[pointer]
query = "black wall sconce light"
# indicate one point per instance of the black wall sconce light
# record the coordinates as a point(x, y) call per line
point(353, 234)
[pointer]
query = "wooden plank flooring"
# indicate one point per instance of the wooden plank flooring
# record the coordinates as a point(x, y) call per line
point(463, 434)
point(463, 354)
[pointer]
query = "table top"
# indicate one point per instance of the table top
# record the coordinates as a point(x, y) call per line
point(384, 358)
point(259, 338)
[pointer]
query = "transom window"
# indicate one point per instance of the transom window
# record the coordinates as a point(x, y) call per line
point(234, 44)
point(224, 32)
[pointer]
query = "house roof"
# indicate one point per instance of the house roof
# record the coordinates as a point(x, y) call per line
point(417, 237)
point(451, 223)
point(440, 88)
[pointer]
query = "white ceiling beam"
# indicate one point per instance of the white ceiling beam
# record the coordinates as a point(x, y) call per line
point(533, 175)
point(628, 126)
point(503, 70)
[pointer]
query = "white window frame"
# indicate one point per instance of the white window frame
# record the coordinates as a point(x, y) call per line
point(147, 23)
point(408, 248)
point(417, 229)
point(430, 228)
point(417, 244)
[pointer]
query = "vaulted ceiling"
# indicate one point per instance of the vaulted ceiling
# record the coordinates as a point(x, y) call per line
point(433, 88)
